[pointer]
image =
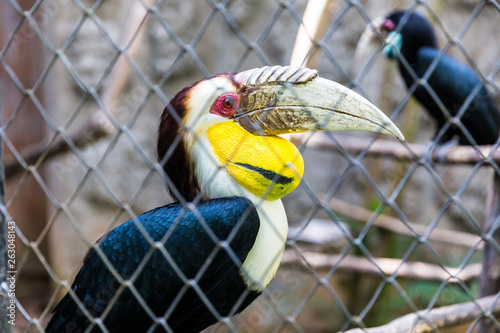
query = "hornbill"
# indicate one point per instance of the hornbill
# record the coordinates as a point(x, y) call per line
point(411, 40)
point(186, 265)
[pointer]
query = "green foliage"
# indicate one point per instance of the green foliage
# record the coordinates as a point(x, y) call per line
point(423, 292)
point(391, 304)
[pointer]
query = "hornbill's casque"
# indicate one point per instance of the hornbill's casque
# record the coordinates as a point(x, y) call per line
point(410, 36)
point(211, 253)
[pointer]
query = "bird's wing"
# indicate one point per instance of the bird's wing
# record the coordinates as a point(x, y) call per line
point(453, 81)
point(187, 242)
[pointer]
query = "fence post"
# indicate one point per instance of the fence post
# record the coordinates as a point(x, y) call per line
point(489, 280)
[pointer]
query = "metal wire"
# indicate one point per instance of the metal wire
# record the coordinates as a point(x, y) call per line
point(387, 194)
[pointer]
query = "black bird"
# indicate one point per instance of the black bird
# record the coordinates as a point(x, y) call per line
point(411, 36)
point(193, 264)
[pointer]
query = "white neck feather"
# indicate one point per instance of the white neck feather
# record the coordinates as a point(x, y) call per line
point(264, 258)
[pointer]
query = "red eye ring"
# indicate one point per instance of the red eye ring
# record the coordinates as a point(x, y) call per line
point(225, 105)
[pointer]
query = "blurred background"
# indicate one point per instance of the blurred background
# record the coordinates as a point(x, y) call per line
point(83, 84)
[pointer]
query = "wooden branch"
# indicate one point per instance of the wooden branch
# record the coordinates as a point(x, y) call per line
point(395, 225)
point(387, 266)
point(90, 132)
point(438, 318)
point(98, 126)
point(315, 22)
point(396, 150)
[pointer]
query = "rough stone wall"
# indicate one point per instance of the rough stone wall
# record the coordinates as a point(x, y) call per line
point(93, 210)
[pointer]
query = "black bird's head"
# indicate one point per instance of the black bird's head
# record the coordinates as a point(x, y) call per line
point(219, 136)
point(416, 32)
point(403, 32)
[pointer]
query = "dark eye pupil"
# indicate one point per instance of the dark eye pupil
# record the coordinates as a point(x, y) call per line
point(228, 102)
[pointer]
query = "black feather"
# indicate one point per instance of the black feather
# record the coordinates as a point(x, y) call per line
point(187, 241)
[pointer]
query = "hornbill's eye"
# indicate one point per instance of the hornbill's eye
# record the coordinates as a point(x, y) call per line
point(225, 105)
point(229, 102)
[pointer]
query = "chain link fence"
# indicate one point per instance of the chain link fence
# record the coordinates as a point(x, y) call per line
point(378, 229)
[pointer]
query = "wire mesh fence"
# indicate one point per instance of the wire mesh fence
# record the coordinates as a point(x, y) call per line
point(379, 229)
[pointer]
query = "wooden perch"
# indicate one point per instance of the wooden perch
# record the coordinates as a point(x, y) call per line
point(98, 126)
point(438, 318)
point(397, 150)
point(386, 266)
point(395, 225)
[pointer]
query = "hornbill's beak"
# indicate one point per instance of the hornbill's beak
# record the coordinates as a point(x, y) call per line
point(379, 30)
point(280, 100)
point(372, 35)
